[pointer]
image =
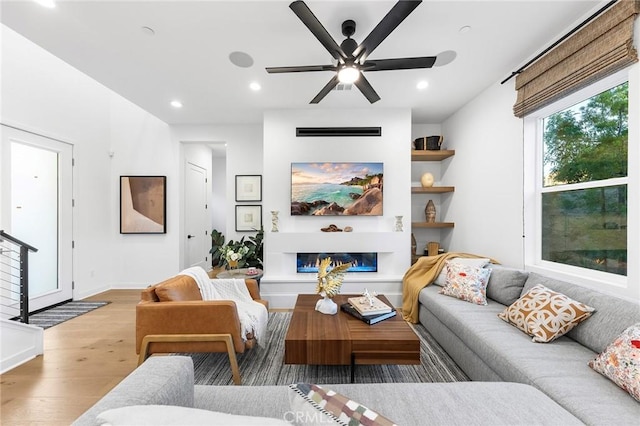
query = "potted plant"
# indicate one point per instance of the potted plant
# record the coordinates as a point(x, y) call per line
point(247, 253)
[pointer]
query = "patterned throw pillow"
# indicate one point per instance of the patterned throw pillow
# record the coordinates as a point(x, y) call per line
point(441, 279)
point(620, 361)
point(312, 404)
point(466, 283)
point(545, 314)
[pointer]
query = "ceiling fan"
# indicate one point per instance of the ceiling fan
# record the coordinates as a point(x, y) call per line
point(352, 57)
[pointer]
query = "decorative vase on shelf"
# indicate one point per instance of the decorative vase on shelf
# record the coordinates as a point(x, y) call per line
point(430, 212)
point(426, 180)
point(233, 264)
point(398, 227)
point(274, 220)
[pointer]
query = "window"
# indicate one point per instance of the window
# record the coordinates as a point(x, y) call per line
point(582, 185)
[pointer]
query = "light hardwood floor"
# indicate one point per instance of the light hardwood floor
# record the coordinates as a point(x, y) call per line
point(84, 358)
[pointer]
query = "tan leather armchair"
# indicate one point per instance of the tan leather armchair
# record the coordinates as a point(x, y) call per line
point(172, 317)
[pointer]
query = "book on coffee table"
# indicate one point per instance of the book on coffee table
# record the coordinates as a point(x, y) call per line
point(369, 319)
point(366, 307)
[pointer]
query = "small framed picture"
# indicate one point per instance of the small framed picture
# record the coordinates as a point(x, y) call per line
point(248, 187)
point(248, 218)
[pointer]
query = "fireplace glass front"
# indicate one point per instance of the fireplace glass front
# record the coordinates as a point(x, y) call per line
point(360, 262)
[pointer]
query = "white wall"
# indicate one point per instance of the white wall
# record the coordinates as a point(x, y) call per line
point(244, 157)
point(282, 147)
point(43, 94)
point(487, 173)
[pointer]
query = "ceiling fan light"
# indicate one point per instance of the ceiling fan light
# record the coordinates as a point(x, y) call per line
point(348, 74)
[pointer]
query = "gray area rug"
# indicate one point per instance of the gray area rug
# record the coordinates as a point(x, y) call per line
point(265, 365)
point(62, 313)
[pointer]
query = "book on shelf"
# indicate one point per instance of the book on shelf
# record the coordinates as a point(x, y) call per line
point(366, 306)
point(369, 319)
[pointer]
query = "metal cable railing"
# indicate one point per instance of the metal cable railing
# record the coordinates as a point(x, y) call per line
point(14, 277)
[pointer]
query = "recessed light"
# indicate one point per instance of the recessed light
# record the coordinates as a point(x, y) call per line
point(422, 84)
point(176, 104)
point(148, 31)
point(49, 4)
point(465, 29)
point(255, 86)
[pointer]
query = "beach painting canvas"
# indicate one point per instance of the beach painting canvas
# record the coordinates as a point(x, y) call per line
point(335, 189)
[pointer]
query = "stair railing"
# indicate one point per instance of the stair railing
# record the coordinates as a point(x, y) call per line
point(14, 275)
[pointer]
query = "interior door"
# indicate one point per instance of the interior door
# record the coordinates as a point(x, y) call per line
point(37, 209)
point(197, 240)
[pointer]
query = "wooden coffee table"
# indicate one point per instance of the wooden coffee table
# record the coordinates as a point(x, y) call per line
point(314, 338)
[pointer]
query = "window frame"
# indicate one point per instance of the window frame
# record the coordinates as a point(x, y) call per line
point(533, 189)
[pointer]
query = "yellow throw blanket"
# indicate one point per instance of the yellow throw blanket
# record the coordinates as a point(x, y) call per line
point(421, 274)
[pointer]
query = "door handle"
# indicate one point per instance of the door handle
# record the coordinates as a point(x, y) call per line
point(190, 236)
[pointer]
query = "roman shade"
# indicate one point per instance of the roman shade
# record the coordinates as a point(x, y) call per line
point(600, 48)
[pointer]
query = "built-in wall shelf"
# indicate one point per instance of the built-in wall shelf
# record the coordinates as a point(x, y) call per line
point(432, 155)
point(432, 189)
point(432, 224)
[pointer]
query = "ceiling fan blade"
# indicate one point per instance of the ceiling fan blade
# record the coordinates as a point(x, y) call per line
point(309, 19)
point(396, 15)
point(325, 90)
point(399, 64)
point(367, 90)
point(303, 68)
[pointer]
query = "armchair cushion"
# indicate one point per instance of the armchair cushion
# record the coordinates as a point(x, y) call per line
point(181, 288)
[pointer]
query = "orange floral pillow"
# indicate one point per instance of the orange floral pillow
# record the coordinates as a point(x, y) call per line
point(545, 314)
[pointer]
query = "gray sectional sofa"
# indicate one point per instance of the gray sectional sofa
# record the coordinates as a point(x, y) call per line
point(168, 381)
point(489, 349)
point(516, 381)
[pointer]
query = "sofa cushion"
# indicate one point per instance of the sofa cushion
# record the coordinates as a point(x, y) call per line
point(160, 380)
point(620, 362)
point(612, 314)
point(466, 283)
point(160, 415)
point(181, 288)
point(545, 314)
point(326, 406)
point(408, 403)
point(505, 284)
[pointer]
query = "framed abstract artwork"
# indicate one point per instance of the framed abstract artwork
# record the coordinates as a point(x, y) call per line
point(143, 204)
point(248, 218)
point(248, 187)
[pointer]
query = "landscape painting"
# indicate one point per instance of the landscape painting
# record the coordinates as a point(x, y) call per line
point(335, 189)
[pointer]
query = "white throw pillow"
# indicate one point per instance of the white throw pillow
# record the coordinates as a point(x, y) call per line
point(143, 415)
point(441, 280)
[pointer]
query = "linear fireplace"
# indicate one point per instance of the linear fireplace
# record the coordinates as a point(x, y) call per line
point(360, 262)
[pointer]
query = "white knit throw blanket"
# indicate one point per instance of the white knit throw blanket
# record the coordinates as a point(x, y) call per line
point(253, 315)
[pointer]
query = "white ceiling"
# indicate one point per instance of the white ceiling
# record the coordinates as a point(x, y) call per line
point(188, 57)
